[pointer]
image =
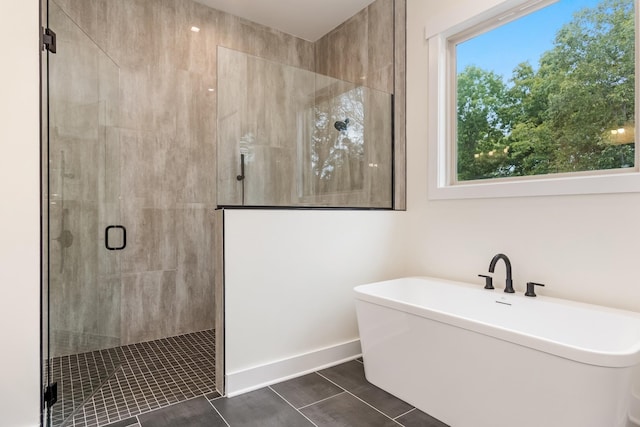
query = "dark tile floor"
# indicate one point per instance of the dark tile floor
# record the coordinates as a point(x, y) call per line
point(105, 386)
point(337, 396)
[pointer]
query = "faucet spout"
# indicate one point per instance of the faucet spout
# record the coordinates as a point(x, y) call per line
point(492, 266)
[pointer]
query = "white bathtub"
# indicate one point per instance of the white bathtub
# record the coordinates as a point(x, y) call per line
point(473, 357)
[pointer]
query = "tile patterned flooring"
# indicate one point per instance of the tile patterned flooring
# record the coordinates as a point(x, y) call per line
point(337, 396)
point(101, 387)
point(170, 383)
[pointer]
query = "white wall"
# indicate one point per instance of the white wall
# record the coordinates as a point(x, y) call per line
point(582, 247)
point(19, 214)
point(289, 277)
point(289, 274)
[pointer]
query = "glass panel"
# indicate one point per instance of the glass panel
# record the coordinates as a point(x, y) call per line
point(291, 137)
point(44, 218)
point(83, 198)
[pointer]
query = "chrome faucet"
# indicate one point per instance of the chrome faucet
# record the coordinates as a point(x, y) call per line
point(492, 266)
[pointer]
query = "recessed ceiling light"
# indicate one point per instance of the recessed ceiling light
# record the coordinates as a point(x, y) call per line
point(195, 29)
point(211, 89)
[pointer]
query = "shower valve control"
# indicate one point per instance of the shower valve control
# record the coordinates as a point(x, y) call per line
point(241, 176)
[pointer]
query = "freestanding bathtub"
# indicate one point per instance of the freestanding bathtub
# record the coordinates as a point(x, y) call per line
point(473, 357)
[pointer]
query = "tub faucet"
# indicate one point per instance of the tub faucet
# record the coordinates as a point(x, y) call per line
point(492, 266)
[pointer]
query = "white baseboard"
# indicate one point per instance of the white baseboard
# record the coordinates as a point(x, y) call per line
point(246, 380)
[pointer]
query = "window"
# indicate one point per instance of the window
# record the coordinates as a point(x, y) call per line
point(538, 99)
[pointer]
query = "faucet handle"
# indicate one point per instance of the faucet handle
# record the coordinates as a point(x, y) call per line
point(488, 281)
point(530, 289)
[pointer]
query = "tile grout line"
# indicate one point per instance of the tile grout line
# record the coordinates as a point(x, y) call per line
point(402, 415)
point(127, 384)
point(294, 408)
point(86, 400)
point(322, 400)
point(143, 359)
point(164, 407)
point(366, 403)
point(136, 396)
point(218, 412)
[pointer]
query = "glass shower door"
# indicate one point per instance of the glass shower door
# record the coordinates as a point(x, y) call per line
point(44, 228)
point(83, 234)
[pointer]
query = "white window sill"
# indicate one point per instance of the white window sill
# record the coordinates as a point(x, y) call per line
point(624, 182)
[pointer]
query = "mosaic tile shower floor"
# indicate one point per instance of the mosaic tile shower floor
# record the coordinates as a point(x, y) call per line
point(105, 386)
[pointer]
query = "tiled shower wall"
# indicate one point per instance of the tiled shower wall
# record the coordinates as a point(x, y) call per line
point(368, 49)
point(162, 143)
point(361, 50)
point(264, 114)
point(158, 134)
point(258, 106)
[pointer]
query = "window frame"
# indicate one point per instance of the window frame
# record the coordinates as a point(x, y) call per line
point(442, 122)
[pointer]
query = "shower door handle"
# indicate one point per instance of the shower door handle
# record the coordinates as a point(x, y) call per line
point(124, 237)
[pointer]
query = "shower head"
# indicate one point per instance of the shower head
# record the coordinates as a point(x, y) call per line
point(341, 126)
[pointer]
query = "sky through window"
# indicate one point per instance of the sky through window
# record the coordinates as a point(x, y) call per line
point(525, 39)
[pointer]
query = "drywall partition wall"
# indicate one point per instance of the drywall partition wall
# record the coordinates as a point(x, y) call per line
point(289, 277)
point(582, 247)
point(19, 215)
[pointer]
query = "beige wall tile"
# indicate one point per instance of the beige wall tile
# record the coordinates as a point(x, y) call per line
point(196, 50)
point(194, 302)
point(380, 38)
point(151, 239)
point(400, 110)
point(218, 274)
point(362, 51)
point(195, 138)
point(147, 310)
point(342, 53)
point(139, 112)
point(378, 134)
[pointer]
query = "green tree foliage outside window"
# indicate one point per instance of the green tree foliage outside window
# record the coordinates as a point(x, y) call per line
point(575, 112)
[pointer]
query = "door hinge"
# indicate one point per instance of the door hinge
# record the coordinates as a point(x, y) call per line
point(49, 40)
point(51, 394)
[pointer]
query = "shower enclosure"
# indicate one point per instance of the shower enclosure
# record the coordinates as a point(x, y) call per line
point(289, 137)
point(146, 134)
point(128, 304)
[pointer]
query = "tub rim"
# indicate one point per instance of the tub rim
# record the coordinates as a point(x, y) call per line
point(618, 359)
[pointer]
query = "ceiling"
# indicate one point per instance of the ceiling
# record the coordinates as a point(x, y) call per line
point(307, 19)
